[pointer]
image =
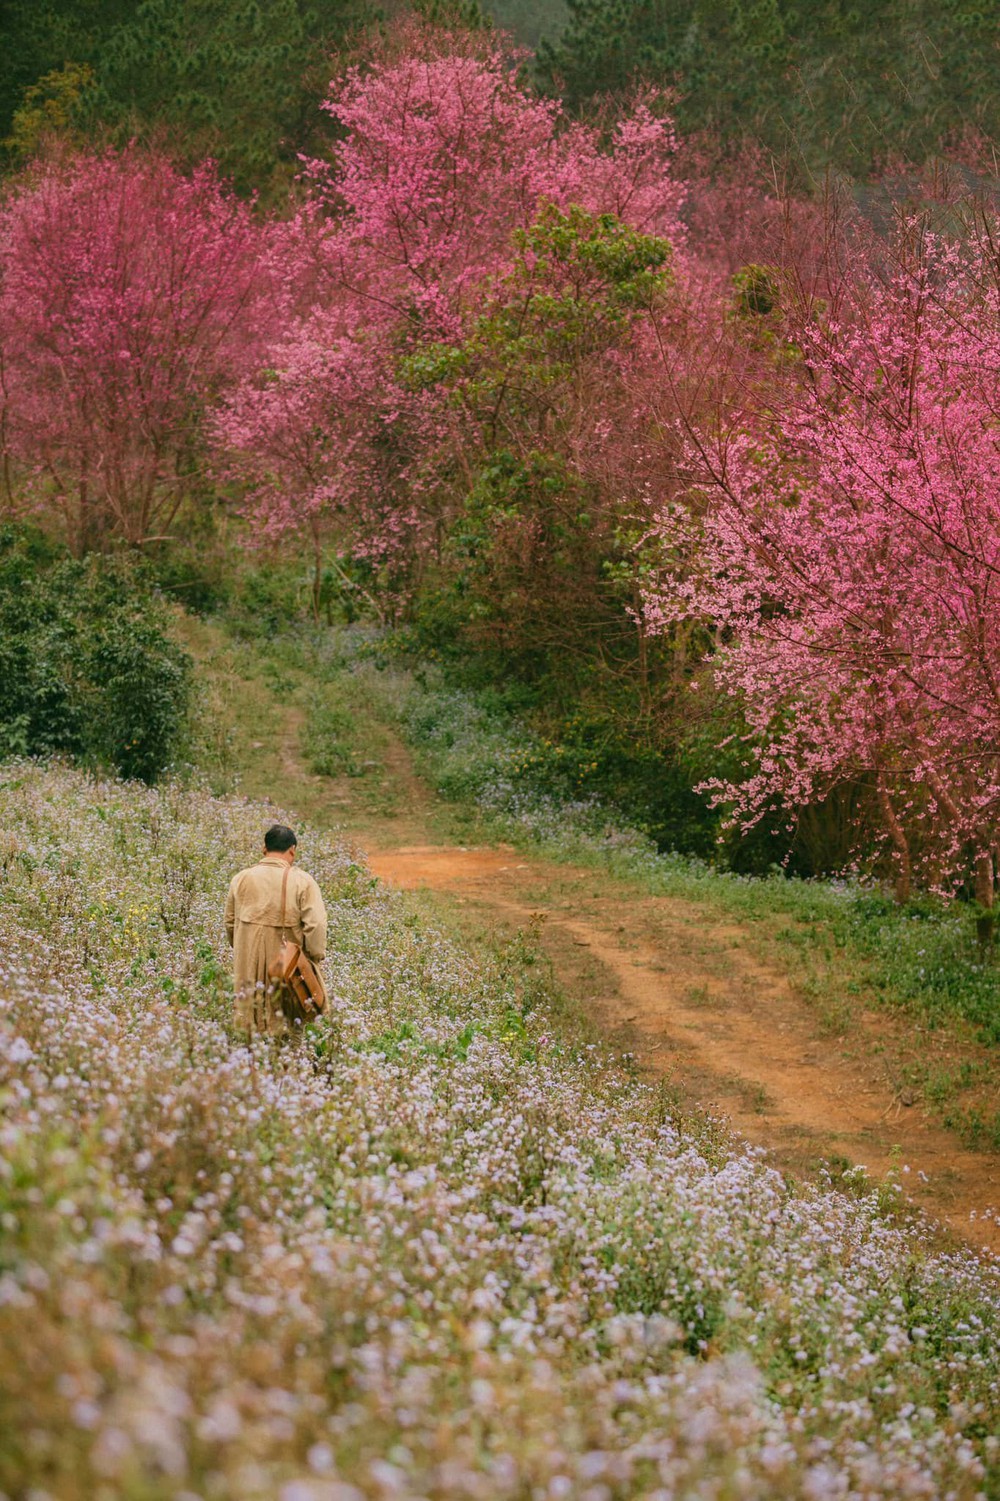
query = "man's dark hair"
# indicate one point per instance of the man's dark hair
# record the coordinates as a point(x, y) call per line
point(278, 839)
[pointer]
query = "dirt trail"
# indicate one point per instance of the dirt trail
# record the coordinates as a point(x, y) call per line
point(695, 996)
point(683, 991)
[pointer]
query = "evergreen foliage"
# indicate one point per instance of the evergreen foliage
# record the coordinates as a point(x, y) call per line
point(38, 37)
point(831, 83)
point(51, 107)
point(240, 84)
point(529, 20)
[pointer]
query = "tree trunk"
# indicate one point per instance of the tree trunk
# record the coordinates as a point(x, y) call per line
point(904, 874)
point(84, 525)
point(643, 644)
point(317, 589)
point(8, 481)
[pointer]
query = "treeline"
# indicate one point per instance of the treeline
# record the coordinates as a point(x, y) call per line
point(702, 472)
point(822, 86)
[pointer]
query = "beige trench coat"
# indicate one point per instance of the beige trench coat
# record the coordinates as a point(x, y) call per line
point(253, 926)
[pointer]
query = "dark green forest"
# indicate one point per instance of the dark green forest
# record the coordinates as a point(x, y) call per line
point(830, 85)
point(240, 83)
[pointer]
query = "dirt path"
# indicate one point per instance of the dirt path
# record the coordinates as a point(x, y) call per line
point(684, 992)
point(689, 993)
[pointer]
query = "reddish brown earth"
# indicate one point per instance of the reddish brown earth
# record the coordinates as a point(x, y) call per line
point(683, 990)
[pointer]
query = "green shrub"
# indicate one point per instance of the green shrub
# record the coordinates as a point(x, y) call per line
point(89, 668)
point(214, 571)
point(591, 755)
point(139, 686)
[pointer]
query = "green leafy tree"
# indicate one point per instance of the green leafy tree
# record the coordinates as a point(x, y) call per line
point(535, 564)
point(39, 37)
point(51, 107)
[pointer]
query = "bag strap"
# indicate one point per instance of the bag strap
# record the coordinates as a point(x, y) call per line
point(284, 891)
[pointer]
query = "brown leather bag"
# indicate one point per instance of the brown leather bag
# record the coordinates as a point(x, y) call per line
point(300, 989)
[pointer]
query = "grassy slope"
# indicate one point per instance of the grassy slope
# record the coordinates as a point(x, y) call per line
point(445, 1248)
point(439, 1250)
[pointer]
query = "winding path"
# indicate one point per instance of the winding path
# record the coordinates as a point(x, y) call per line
point(686, 993)
point(710, 1005)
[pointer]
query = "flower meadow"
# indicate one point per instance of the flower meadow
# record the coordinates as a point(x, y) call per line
point(435, 1248)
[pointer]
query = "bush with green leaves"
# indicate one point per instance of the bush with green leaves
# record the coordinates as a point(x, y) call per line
point(89, 667)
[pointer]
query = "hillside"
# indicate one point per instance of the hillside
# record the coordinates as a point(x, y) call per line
point(438, 1249)
point(549, 457)
point(853, 1044)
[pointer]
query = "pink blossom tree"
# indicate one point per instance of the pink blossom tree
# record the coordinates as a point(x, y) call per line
point(846, 551)
point(129, 296)
point(446, 156)
point(323, 439)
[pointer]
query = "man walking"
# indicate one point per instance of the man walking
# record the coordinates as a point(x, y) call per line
point(253, 926)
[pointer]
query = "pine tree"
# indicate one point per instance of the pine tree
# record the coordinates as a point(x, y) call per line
point(238, 82)
point(832, 83)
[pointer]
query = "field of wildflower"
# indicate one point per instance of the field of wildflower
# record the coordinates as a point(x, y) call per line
point(433, 1249)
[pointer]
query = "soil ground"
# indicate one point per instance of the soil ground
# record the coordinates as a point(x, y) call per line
point(690, 994)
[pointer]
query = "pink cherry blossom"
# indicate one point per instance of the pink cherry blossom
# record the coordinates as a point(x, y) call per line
point(446, 156)
point(129, 294)
point(849, 557)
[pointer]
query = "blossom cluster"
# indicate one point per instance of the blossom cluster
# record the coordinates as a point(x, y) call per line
point(843, 544)
point(129, 293)
point(432, 1249)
